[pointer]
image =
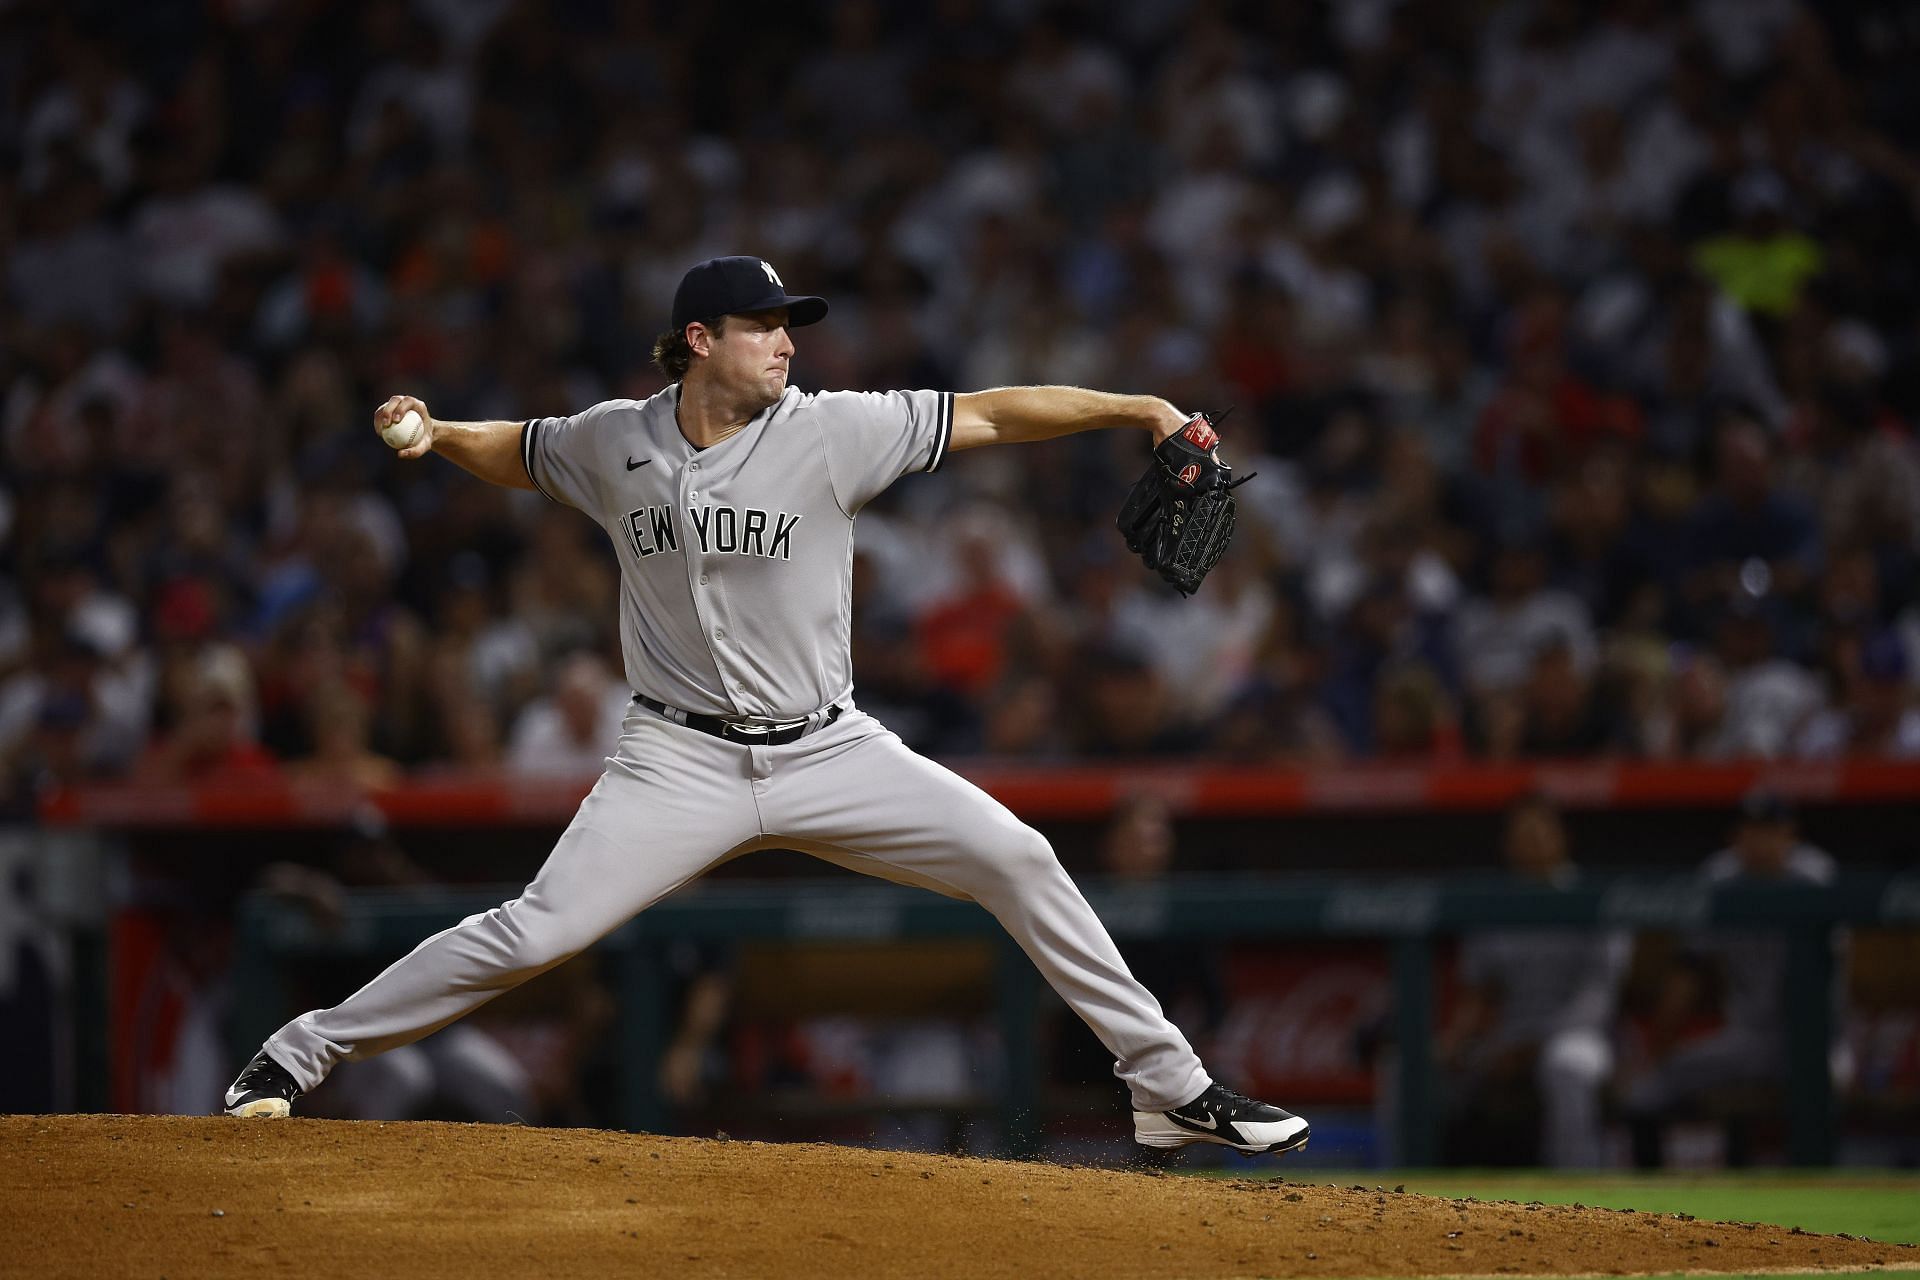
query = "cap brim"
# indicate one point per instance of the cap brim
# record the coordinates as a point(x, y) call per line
point(803, 310)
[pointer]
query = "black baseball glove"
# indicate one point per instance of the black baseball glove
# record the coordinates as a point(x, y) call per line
point(1178, 517)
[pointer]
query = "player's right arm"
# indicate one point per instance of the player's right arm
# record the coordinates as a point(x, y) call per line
point(490, 450)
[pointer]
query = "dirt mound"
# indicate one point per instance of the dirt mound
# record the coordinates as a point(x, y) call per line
point(127, 1195)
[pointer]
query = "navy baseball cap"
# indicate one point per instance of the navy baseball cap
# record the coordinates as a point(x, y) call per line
point(729, 286)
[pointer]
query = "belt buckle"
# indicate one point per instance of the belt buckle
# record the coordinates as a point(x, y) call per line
point(762, 729)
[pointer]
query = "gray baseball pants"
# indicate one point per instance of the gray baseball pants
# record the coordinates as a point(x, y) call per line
point(675, 802)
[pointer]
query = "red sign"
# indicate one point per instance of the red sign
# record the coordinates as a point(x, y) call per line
point(1295, 1018)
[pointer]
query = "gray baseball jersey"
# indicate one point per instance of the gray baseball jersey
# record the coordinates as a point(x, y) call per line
point(736, 560)
point(736, 581)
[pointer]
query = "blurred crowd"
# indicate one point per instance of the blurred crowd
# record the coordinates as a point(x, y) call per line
point(1574, 345)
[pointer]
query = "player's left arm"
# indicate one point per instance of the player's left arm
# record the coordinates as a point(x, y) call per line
point(1016, 415)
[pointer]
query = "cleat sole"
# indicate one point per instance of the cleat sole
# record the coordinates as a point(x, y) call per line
point(1298, 1144)
point(1168, 1142)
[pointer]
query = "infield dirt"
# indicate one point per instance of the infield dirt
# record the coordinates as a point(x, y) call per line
point(182, 1196)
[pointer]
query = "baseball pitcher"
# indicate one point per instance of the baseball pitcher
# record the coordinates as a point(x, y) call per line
point(730, 498)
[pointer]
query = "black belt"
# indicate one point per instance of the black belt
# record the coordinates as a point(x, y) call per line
point(777, 734)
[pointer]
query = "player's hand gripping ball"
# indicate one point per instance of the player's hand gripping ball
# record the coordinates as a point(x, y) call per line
point(1178, 517)
point(405, 433)
point(405, 426)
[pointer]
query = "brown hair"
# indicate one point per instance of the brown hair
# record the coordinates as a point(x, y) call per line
point(671, 352)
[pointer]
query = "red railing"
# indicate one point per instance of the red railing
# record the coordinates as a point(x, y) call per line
point(1035, 792)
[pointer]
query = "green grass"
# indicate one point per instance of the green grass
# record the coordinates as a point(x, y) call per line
point(1877, 1204)
point(1872, 1203)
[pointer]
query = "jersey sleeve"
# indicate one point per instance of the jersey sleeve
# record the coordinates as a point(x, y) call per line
point(562, 456)
point(875, 437)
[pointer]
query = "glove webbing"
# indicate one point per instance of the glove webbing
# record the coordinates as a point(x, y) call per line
point(1203, 526)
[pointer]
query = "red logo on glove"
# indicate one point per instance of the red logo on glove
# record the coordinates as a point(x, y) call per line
point(1189, 473)
point(1201, 434)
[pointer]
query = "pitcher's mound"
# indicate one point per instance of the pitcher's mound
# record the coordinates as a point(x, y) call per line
point(178, 1196)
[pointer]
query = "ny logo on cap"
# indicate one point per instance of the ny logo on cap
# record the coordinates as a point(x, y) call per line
point(773, 276)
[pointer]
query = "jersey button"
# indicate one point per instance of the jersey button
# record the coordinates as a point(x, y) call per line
point(703, 579)
point(719, 633)
point(693, 466)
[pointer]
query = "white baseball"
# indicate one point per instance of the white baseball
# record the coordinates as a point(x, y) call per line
point(405, 433)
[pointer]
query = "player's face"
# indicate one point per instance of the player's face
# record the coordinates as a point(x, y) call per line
point(753, 355)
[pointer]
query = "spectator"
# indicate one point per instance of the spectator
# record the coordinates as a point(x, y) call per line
point(71, 264)
point(1024, 720)
point(1876, 715)
point(1500, 637)
point(1560, 714)
point(1717, 1073)
point(1413, 718)
point(1547, 417)
point(1763, 262)
point(83, 687)
point(469, 737)
point(1692, 722)
point(570, 732)
point(341, 757)
point(1377, 634)
point(1529, 1046)
point(1749, 535)
point(483, 656)
point(211, 734)
point(964, 637)
point(1127, 711)
point(1276, 715)
point(1768, 696)
point(191, 227)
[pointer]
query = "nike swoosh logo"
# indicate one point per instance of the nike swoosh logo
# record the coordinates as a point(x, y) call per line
point(631, 464)
point(1211, 1124)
